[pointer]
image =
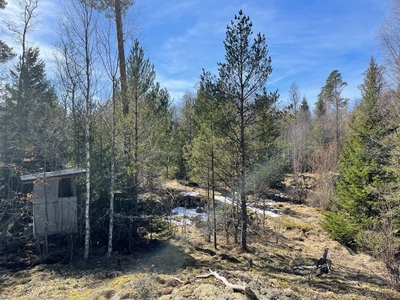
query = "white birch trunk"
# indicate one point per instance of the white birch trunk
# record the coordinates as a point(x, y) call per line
point(111, 225)
point(46, 212)
point(87, 219)
point(112, 183)
point(88, 99)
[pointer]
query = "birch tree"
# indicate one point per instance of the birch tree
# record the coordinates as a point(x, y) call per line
point(109, 62)
point(78, 36)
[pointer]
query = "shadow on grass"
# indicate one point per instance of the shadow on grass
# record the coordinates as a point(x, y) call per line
point(341, 286)
point(163, 258)
point(205, 250)
point(290, 212)
point(343, 283)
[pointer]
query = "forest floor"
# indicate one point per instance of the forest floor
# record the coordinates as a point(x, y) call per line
point(278, 250)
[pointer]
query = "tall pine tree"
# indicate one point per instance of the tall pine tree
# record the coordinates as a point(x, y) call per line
point(242, 83)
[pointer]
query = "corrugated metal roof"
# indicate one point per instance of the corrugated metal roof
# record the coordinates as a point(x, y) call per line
point(61, 173)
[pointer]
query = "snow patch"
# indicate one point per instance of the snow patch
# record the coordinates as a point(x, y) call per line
point(267, 212)
point(185, 214)
point(189, 194)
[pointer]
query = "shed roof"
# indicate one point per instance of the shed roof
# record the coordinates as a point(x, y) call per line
point(61, 174)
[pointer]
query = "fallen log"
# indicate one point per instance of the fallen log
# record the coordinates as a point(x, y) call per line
point(235, 287)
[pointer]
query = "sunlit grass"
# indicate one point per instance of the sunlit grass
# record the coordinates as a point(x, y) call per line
point(292, 240)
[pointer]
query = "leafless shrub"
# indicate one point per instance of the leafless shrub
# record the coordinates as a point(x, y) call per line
point(324, 164)
point(381, 241)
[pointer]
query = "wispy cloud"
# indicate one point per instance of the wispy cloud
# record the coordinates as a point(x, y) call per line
point(306, 39)
point(176, 87)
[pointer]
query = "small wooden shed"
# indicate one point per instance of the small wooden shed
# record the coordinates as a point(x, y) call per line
point(61, 201)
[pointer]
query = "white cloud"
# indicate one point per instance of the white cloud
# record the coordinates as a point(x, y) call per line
point(306, 39)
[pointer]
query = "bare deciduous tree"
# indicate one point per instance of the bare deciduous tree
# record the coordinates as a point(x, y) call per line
point(79, 39)
point(294, 96)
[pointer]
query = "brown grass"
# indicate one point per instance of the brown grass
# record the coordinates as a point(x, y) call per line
point(292, 240)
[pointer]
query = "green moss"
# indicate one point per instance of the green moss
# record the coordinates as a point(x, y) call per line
point(80, 295)
point(291, 224)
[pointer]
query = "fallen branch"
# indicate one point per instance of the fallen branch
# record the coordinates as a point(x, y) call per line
point(237, 288)
point(177, 279)
point(304, 268)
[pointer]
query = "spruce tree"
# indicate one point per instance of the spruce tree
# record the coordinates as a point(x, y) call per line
point(30, 107)
point(356, 194)
point(304, 107)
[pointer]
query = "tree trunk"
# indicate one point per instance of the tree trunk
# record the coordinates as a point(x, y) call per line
point(242, 175)
point(213, 195)
point(46, 211)
point(87, 219)
point(112, 183)
point(121, 54)
point(208, 207)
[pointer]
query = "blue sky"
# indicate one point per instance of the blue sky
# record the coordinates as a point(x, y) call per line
point(307, 39)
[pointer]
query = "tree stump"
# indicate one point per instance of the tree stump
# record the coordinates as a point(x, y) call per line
point(323, 265)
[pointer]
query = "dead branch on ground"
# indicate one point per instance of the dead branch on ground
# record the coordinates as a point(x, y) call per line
point(237, 288)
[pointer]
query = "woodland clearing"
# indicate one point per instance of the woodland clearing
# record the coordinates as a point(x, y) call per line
point(167, 269)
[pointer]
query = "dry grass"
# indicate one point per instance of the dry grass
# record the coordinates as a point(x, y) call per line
point(292, 240)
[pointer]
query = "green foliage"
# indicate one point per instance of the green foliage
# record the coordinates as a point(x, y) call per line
point(269, 173)
point(340, 226)
point(247, 106)
point(108, 6)
point(304, 106)
point(361, 173)
point(6, 53)
point(148, 125)
point(333, 88)
point(241, 88)
point(31, 118)
point(320, 106)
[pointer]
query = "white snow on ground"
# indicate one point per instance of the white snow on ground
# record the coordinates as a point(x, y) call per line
point(190, 194)
point(182, 222)
point(223, 199)
point(272, 212)
point(267, 212)
point(280, 195)
point(185, 213)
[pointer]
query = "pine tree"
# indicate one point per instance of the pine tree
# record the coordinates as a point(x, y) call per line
point(361, 174)
point(332, 93)
point(242, 82)
point(146, 126)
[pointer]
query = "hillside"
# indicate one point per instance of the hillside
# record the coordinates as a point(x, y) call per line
point(167, 269)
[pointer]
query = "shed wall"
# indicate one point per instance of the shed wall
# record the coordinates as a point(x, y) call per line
point(62, 212)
